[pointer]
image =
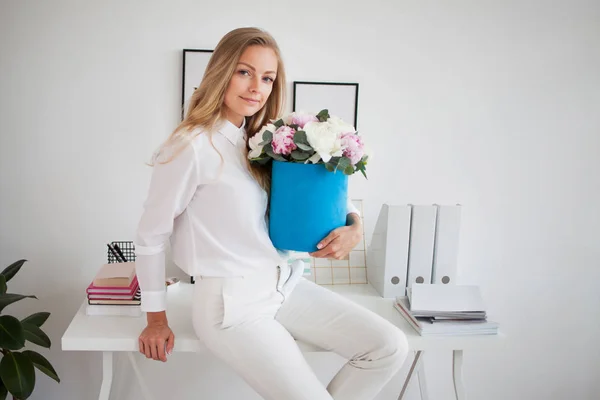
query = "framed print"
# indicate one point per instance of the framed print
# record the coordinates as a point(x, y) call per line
point(194, 65)
point(341, 99)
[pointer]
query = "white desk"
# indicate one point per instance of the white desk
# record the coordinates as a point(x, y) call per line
point(109, 334)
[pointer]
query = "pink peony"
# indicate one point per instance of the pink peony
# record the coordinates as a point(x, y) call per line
point(283, 140)
point(302, 119)
point(352, 147)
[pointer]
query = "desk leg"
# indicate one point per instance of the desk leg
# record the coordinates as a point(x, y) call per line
point(414, 367)
point(145, 392)
point(422, 381)
point(459, 388)
point(107, 375)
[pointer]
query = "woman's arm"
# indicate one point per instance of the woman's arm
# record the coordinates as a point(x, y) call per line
point(172, 187)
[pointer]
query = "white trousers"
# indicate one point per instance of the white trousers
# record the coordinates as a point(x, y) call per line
point(252, 322)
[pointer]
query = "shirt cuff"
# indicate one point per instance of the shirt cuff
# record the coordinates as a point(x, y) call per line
point(154, 301)
point(351, 208)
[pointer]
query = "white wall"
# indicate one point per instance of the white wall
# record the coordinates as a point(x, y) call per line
point(493, 104)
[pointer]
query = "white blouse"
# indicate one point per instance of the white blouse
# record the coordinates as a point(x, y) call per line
point(213, 213)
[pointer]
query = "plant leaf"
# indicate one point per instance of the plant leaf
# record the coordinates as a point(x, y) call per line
point(334, 161)
point(330, 167)
point(304, 147)
point(37, 319)
point(2, 284)
point(271, 154)
point(18, 374)
point(267, 137)
point(9, 298)
point(12, 336)
point(262, 161)
point(300, 137)
point(344, 163)
point(42, 364)
point(349, 170)
point(299, 155)
point(12, 269)
point(35, 335)
point(323, 115)
point(278, 123)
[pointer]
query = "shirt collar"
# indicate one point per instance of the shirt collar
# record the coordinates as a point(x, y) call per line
point(232, 132)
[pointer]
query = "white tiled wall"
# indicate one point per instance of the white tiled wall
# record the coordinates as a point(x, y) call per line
point(341, 272)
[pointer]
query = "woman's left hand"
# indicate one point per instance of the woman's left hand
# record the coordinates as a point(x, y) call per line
point(339, 242)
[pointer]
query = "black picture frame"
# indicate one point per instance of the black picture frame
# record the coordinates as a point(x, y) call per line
point(194, 65)
point(315, 96)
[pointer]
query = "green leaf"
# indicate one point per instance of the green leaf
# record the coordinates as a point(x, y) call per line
point(12, 336)
point(360, 166)
point(37, 319)
point(279, 123)
point(36, 335)
point(349, 170)
point(330, 167)
point(3, 391)
point(344, 163)
point(12, 269)
point(9, 298)
point(304, 147)
point(267, 137)
point(42, 364)
point(18, 374)
point(300, 156)
point(262, 161)
point(2, 284)
point(300, 138)
point(333, 161)
point(323, 115)
point(271, 154)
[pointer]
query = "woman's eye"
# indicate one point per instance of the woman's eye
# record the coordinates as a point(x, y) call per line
point(244, 72)
point(269, 79)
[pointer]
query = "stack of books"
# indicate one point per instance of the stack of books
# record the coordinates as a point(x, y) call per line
point(438, 309)
point(114, 291)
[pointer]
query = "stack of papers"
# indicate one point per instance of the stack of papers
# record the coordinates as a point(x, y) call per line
point(438, 309)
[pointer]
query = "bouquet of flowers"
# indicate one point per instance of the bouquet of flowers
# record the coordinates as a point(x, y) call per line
point(308, 198)
point(307, 138)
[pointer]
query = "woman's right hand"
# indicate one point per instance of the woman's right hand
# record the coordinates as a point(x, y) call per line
point(157, 339)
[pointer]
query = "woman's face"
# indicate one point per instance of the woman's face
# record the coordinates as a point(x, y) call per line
point(251, 83)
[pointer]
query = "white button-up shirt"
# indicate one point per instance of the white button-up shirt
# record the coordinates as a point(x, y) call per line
point(213, 213)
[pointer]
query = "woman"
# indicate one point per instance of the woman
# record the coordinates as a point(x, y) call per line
point(211, 203)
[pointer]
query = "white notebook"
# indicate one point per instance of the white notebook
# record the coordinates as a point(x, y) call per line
point(445, 298)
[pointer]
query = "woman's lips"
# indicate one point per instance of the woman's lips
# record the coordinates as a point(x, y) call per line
point(251, 101)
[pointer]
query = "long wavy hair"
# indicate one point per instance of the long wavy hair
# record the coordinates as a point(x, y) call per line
point(206, 106)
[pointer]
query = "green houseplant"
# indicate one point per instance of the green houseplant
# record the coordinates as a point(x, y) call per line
point(17, 373)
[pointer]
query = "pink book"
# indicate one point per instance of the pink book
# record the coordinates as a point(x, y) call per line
point(112, 296)
point(127, 290)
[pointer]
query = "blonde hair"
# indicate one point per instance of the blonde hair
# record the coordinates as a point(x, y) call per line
point(206, 107)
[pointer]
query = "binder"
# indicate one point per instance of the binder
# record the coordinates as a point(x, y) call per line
point(445, 254)
point(422, 238)
point(387, 254)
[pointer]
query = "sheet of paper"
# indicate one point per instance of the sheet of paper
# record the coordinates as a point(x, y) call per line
point(447, 298)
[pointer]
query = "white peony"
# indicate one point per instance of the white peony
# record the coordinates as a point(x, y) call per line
point(324, 138)
point(256, 140)
point(339, 126)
